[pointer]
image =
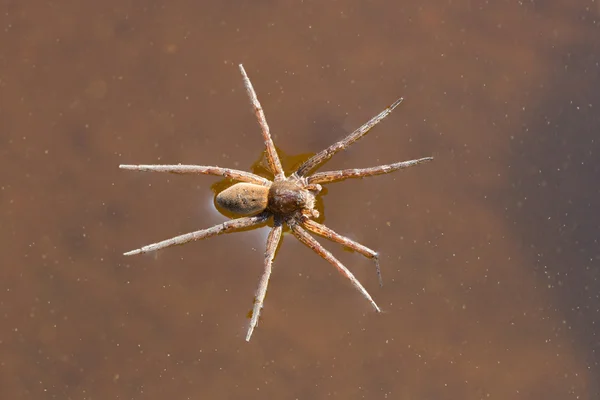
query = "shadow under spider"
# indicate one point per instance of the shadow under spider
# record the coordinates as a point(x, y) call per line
point(290, 201)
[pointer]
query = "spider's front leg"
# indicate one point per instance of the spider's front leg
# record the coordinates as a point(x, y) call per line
point(330, 234)
point(336, 176)
point(314, 189)
point(311, 243)
point(324, 155)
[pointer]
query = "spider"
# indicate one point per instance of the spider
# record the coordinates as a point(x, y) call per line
point(289, 200)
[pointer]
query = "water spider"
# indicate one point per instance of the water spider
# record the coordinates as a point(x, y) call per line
point(289, 200)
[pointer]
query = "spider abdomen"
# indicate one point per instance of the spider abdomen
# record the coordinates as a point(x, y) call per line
point(286, 197)
point(243, 198)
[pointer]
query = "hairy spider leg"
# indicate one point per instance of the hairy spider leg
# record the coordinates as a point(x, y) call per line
point(330, 234)
point(272, 243)
point(272, 156)
point(343, 144)
point(234, 174)
point(232, 225)
point(311, 242)
point(336, 176)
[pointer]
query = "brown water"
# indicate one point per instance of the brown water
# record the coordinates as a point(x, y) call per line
point(490, 254)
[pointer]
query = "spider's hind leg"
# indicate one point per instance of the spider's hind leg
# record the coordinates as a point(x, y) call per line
point(232, 225)
point(242, 176)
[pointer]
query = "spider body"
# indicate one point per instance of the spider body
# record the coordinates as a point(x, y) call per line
point(288, 200)
point(289, 197)
point(244, 198)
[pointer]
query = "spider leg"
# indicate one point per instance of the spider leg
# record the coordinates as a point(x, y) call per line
point(330, 234)
point(343, 144)
point(226, 227)
point(272, 243)
point(310, 242)
point(235, 174)
point(272, 157)
point(336, 176)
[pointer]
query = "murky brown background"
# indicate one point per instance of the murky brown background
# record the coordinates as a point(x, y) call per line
point(490, 254)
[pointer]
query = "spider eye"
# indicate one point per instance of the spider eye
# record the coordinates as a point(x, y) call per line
point(243, 198)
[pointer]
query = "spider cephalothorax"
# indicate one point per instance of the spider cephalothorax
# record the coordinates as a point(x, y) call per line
point(289, 200)
point(289, 196)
